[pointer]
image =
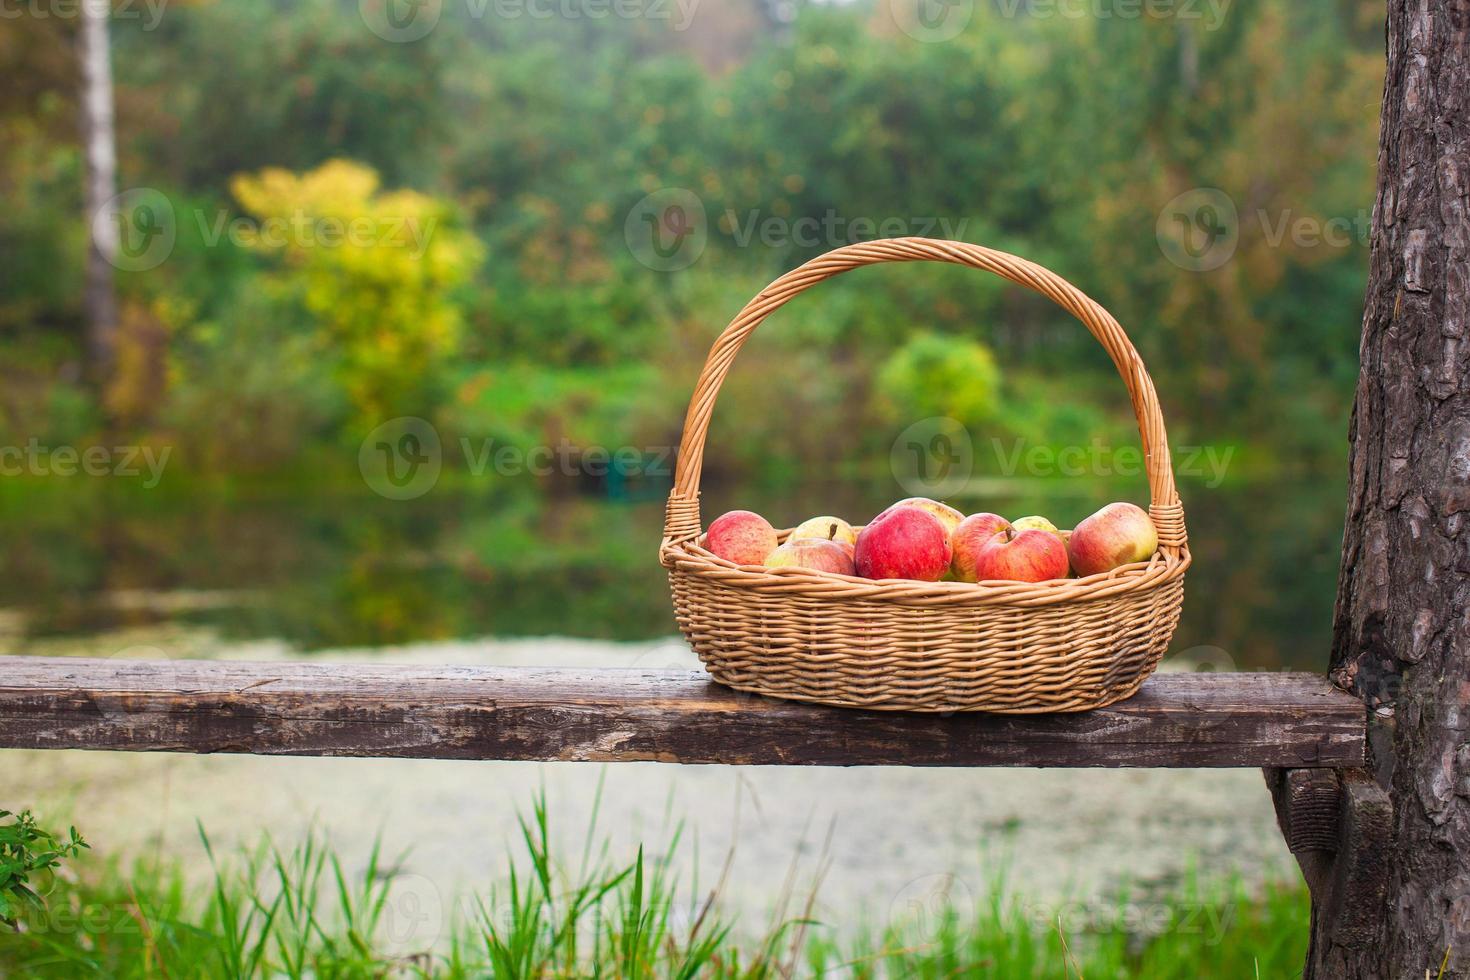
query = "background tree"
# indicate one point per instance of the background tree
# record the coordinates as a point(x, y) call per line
point(99, 156)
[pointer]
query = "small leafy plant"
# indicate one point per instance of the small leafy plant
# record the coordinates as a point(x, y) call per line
point(27, 849)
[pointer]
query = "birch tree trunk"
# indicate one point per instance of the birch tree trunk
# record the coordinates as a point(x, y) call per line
point(99, 156)
point(1402, 626)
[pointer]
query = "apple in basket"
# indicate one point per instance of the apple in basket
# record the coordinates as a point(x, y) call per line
point(826, 529)
point(1021, 556)
point(817, 554)
point(1036, 523)
point(1116, 535)
point(742, 537)
point(904, 541)
point(947, 515)
point(973, 533)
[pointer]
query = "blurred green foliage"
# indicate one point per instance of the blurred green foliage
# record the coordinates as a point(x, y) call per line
point(520, 145)
point(948, 376)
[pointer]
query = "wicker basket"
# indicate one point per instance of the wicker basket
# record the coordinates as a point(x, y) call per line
point(898, 645)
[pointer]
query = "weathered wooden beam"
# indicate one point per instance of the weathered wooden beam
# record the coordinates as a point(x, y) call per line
point(458, 712)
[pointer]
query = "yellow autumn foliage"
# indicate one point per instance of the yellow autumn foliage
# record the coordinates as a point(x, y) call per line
point(375, 269)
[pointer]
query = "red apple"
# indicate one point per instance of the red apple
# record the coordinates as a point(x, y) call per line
point(903, 542)
point(813, 553)
point(741, 537)
point(1025, 556)
point(973, 534)
point(1116, 535)
point(948, 516)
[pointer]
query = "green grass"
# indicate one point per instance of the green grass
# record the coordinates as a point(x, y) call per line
point(298, 913)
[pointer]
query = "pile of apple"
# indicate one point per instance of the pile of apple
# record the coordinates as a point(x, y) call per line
point(928, 541)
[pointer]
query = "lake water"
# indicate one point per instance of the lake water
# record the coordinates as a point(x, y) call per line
point(357, 570)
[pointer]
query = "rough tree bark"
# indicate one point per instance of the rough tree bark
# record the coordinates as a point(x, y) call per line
point(1401, 636)
point(99, 156)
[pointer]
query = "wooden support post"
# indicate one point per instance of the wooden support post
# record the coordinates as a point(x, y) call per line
point(1338, 824)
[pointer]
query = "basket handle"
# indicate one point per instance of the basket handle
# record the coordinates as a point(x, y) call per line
point(682, 522)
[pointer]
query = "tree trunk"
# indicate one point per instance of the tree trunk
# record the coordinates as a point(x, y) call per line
point(99, 158)
point(1401, 636)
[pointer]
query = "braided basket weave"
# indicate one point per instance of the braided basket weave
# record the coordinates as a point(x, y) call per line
point(899, 645)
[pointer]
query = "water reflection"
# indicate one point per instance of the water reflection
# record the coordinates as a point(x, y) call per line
point(322, 571)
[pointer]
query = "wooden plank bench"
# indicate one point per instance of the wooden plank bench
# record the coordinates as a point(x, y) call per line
point(1308, 737)
point(1280, 720)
